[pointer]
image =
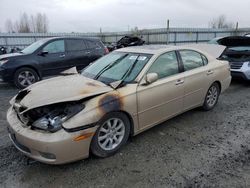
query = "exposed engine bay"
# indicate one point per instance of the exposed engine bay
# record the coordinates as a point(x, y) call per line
point(238, 48)
point(51, 117)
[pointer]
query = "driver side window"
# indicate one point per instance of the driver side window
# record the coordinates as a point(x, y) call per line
point(165, 65)
point(55, 47)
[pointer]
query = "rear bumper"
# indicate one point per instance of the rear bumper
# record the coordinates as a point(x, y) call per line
point(225, 83)
point(51, 148)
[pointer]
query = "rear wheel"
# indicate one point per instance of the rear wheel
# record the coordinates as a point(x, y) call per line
point(112, 134)
point(212, 97)
point(24, 77)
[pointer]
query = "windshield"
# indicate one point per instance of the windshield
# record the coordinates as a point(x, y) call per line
point(116, 66)
point(33, 47)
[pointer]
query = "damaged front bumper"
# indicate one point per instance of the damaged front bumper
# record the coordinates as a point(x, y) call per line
point(52, 148)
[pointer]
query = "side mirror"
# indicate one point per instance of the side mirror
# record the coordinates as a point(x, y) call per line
point(150, 78)
point(42, 53)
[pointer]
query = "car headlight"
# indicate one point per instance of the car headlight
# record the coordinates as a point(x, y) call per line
point(52, 121)
point(3, 61)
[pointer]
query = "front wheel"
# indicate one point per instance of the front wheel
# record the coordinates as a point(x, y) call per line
point(24, 77)
point(112, 134)
point(212, 97)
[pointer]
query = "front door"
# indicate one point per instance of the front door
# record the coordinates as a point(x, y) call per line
point(162, 99)
point(55, 60)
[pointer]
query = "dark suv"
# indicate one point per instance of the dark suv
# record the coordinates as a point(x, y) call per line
point(49, 57)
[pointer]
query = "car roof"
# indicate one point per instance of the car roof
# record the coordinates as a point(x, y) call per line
point(210, 50)
point(84, 38)
point(148, 49)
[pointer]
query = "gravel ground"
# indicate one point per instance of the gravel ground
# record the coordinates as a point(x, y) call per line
point(195, 149)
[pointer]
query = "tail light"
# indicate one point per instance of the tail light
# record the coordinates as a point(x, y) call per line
point(106, 50)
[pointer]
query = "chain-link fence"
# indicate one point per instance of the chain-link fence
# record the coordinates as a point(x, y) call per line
point(151, 36)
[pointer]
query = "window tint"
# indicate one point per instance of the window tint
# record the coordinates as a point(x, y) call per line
point(191, 59)
point(205, 61)
point(92, 44)
point(55, 47)
point(75, 45)
point(165, 65)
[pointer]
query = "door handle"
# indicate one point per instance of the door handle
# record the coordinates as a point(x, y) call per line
point(62, 55)
point(210, 72)
point(87, 52)
point(178, 82)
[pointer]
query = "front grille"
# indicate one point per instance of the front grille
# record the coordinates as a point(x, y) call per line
point(22, 147)
point(236, 65)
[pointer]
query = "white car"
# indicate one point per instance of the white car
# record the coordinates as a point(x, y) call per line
point(237, 53)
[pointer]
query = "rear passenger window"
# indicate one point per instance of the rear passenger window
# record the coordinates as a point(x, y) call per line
point(205, 61)
point(92, 44)
point(191, 59)
point(165, 65)
point(75, 45)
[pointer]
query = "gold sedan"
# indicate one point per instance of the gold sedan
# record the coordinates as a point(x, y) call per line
point(63, 119)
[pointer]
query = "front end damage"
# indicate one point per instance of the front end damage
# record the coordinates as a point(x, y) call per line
point(54, 133)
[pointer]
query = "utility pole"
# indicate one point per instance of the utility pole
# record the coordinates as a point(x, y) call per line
point(236, 28)
point(167, 31)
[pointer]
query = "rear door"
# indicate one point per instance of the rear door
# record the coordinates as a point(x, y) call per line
point(78, 53)
point(94, 49)
point(56, 60)
point(197, 77)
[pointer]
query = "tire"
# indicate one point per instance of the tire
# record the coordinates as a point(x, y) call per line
point(101, 145)
point(212, 97)
point(24, 77)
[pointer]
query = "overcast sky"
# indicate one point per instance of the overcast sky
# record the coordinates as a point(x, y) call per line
point(118, 15)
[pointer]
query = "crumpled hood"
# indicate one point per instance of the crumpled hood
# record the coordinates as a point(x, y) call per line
point(62, 89)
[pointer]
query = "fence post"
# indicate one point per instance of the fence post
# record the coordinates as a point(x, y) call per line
point(197, 36)
point(236, 28)
point(148, 37)
point(175, 37)
point(168, 31)
point(6, 41)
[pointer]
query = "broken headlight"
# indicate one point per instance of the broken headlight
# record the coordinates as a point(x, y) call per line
point(52, 119)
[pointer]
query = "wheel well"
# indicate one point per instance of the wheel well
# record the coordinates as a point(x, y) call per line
point(130, 120)
point(31, 67)
point(218, 82)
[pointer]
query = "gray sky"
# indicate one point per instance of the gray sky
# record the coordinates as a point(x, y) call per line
point(117, 15)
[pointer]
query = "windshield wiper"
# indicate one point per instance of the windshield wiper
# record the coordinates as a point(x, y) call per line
point(116, 84)
point(109, 66)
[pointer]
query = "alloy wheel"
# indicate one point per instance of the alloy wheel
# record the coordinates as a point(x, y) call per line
point(111, 134)
point(212, 96)
point(26, 78)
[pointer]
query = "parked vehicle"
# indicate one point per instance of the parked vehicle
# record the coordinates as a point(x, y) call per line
point(6, 50)
point(62, 119)
point(49, 57)
point(237, 53)
point(3, 50)
point(125, 42)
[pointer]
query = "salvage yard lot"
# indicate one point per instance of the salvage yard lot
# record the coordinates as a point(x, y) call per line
point(194, 149)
